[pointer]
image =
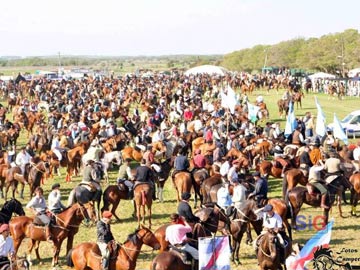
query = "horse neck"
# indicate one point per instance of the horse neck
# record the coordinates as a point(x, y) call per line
point(6, 215)
point(131, 249)
point(68, 216)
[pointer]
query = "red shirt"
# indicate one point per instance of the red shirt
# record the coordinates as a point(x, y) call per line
point(188, 115)
point(199, 161)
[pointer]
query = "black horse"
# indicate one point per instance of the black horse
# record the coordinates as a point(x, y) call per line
point(10, 207)
point(84, 193)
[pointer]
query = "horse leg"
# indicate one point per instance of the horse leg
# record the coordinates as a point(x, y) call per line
point(69, 243)
point(36, 245)
point(249, 239)
point(138, 214)
point(57, 246)
point(149, 210)
point(113, 209)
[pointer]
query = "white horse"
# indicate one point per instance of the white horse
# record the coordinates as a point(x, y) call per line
point(110, 158)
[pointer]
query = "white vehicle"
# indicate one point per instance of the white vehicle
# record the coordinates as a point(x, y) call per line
point(351, 124)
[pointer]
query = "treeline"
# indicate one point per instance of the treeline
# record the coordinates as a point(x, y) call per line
point(330, 53)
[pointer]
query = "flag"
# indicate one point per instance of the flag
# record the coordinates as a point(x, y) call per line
point(228, 100)
point(291, 122)
point(214, 253)
point(320, 128)
point(252, 112)
point(338, 131)
point(320, 239)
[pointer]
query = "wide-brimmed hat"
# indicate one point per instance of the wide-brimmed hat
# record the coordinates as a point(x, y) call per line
point(268, 208)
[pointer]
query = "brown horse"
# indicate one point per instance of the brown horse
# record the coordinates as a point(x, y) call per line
point(267, 168)
point(183, 183)
point(142, 198)
point(300, 195)
point(132, 153)
point(199, 176)
point(207, 184)
point(67, 225)
point(355, 192)
point(296, 98)
point(291, 178)
point(86, 256)
point(268, 252)
point(283, 106)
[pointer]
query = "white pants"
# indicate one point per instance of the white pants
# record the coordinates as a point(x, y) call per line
point(57, 153)
point(104, 250)
point(193, 251)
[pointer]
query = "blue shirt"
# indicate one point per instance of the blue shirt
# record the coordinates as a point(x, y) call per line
point(181, 163)
point(223, 197)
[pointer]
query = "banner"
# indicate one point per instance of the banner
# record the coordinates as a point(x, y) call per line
point(320, 239)
point(252, 112)
point(229, 100)
point(291, 122)
point(320, 128)
point(338, 131)
point(214, 253)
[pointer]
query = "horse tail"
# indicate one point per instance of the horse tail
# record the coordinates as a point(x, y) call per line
point(69, 261)
point(284, 185)
point(143, 198)
point(153, 267)
point(289, 206)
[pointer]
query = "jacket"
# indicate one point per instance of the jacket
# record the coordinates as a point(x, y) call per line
point(104, 234)
point(184, 210)
point(143, 174)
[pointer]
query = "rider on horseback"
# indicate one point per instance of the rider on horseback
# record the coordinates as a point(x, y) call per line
point(316, 181)
point(261, 189)
point(39, 208)
point(125, 176)
point(104, 236)
point(23, 159)
point(6, 244)
point(176, 234)
point(181, 163)
point(273, 222)
point(89, 176)
point(145, 175)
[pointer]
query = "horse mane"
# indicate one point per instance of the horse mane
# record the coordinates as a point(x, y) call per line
point(132, 237)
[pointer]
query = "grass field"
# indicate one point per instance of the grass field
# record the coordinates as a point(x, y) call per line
point(344, 233)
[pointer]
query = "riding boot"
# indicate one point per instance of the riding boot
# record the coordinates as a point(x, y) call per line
point(48, 234)
point(154, 193)
point(323, 202)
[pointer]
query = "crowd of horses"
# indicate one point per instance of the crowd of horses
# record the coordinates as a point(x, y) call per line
point(204, 183)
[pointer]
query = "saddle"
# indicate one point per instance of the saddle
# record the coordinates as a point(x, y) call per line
point(137, 183)
point(204, 214)
point(88, 185)
point(185, 257)
point(313, 191)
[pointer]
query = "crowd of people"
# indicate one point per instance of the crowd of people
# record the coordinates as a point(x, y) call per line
point(161, 108)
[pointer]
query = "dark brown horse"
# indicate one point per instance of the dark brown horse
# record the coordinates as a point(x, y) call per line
point(142, 198)
point(283, 106)
point(268, 252)
point(208, 184)
point(86, 256)
point(67, 225)
point(199, 176)
point(267, 168)
point(296, 98)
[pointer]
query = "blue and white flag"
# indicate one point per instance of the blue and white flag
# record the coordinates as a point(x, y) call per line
point(252, 112)
point(291, 122)
point(320, 128)
point(338, 131)
point(214, 253)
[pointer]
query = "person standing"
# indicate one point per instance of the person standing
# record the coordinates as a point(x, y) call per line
point(40, 210)
point(54, 200)
point(104, 236)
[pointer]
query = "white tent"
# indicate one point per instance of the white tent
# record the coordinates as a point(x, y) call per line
point(354, 72)
point(321, 75)
point(209, 69)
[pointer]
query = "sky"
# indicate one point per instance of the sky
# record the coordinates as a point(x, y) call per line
point(164, 27)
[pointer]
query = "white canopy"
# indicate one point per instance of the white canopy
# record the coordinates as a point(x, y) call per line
point(209, 69)
point(321, 75)
point(354, 72)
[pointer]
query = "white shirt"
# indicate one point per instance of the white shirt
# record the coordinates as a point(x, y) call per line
point(356, 153)
point(239, 194)
point(22, 158)
point(232, 174)
point(54, 200)
point(6, 246)
point(274, 222)
point(224, 169)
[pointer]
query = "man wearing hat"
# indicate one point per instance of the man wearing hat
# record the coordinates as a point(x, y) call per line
point(305, 161)
point(6, 245)
point(272, 221)
point(261, 189)
point(233, 171)
point(54, 200)
point(184, 208)
point(199, 160)
point(239, 194)
point(22, 159)
point(104, 236)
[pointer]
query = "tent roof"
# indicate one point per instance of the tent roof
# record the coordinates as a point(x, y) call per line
point(208, 69)
point(354, 72)
point(321, 75)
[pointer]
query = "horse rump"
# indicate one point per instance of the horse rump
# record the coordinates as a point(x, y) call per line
point(83, 195)
point(69, 261)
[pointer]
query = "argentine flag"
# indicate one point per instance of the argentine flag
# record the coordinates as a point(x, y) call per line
point(320, 128)
point(291, 122)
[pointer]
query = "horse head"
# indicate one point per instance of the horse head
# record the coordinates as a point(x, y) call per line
point(146, 236)
point(13, 206)
point(87, 211)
